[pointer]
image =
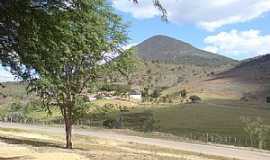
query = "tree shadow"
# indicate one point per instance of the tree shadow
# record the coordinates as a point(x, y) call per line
point(34, 143)
point(31, 142)
point(15, 158)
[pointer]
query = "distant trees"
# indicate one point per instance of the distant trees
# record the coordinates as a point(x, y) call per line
point(61, 48)
point(257, 130)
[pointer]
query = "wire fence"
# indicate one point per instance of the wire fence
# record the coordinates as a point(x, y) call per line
point(140, 122)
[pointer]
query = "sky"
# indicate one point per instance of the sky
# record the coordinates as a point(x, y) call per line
point(238, 29)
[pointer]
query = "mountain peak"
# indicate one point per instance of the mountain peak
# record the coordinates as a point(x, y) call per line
point(160, 39)
point(171, 50)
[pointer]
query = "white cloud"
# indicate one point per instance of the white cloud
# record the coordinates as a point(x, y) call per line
point(111, 55)
point(239, 44)
point(130, 45)
point(142, 10)
point(209, 14)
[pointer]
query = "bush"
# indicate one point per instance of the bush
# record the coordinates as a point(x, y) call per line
point(156, 94)
point(112, 123)
point(195, 99)
point(267, 99)
point(149, 71)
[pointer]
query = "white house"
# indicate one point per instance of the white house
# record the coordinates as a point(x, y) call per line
point(135, 95)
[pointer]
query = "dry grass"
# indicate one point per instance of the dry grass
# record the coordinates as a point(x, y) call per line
point(22, 145)
point(102, 102)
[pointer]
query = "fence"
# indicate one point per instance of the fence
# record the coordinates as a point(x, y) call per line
point(243, 141)
point(145, 122)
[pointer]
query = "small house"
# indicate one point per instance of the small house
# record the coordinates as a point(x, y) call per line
point(135, 95)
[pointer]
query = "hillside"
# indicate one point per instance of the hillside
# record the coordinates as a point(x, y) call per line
point(248, 81)
point(167, 62)
point(252, 70)
point(166, 49)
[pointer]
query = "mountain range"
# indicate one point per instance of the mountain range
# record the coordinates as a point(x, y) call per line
point(173, 64)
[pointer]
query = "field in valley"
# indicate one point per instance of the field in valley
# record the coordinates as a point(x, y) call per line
point(217, 119)
point(211, 120)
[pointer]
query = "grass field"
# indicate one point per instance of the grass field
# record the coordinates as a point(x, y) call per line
point(216, 118)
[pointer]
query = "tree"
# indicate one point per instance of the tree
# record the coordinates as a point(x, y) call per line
point(156, 93)
point(61, 47)
point(256, 129)
point(183, 93)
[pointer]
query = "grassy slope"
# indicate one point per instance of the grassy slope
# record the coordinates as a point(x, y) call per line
point(206, 118)
point(215, 118)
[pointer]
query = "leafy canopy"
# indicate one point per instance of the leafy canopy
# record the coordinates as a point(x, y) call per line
point(59, 47)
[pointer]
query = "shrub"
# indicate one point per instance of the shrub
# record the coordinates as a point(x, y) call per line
point(195, 99)
point(148, 71)
point(109, 123)
point(156, 93)
point(267, 99)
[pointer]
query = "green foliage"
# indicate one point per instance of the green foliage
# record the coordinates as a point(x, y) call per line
point(80, 108)
point(256, 129)
point(156, 93)
point(62, 48)
point(29, 112)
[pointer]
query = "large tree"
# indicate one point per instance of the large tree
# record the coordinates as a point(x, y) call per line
point(61, 47)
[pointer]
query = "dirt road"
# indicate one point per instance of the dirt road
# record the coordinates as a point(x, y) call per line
point(208, 149)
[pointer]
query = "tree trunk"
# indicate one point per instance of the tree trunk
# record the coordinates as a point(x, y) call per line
point(68, 128)
point(261, 141)
point(68, 135)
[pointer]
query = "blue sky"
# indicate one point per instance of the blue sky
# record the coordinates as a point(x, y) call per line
point(234, 28)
